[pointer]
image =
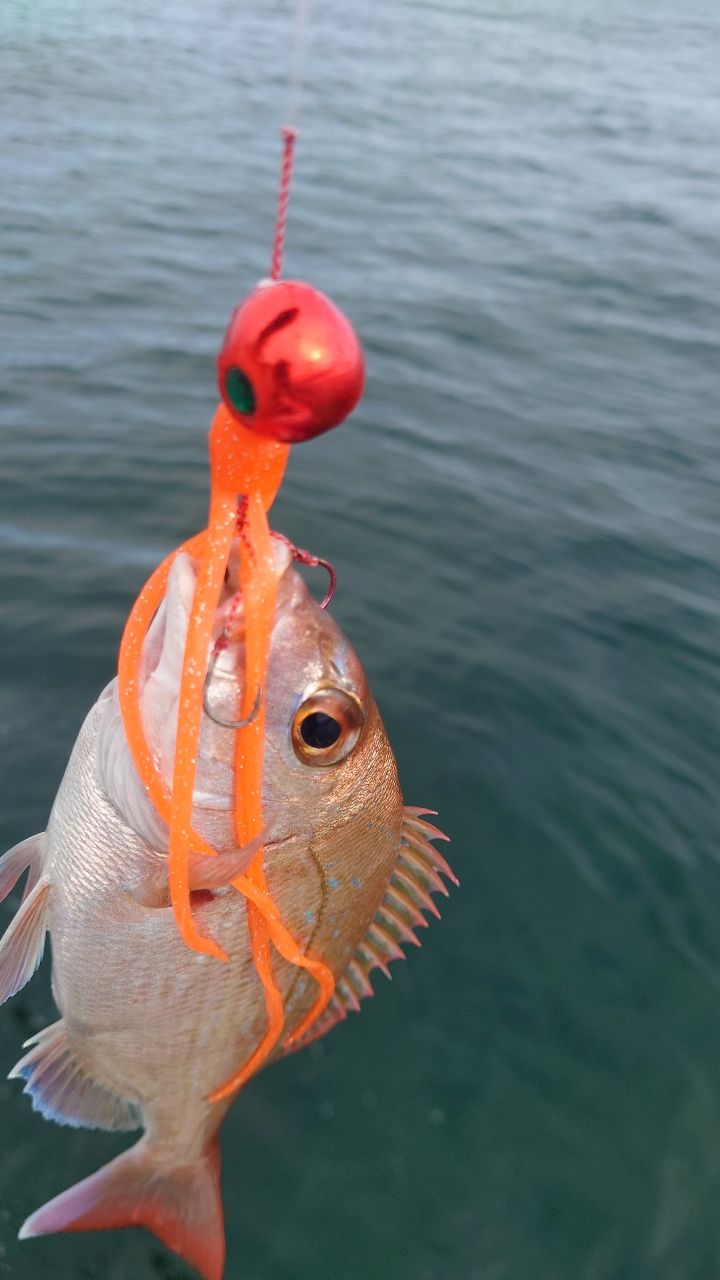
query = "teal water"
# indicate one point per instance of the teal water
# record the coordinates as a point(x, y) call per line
point(517, 204)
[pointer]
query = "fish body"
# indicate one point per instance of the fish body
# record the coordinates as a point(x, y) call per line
point(149, 1028)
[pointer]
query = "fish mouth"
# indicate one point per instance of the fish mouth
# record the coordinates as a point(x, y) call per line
point(230, 622)
point(224, 681)
point(231, 599)
point(159, 684)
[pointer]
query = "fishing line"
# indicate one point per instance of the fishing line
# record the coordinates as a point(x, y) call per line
point(247, 465)
point(289, 132)
point(302, 21)
point(260, 592)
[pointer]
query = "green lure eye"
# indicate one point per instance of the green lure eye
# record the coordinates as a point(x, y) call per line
point(239, 391)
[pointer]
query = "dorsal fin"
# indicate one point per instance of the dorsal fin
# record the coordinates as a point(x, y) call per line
point(416, 876)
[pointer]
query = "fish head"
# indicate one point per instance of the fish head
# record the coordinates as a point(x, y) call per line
point(328, 765)
point(327, 755)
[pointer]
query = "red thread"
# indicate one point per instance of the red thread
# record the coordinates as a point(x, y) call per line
point(289, 137)
point(241, 517)
point(314, 562)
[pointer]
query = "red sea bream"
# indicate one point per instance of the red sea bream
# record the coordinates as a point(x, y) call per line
point(148, 1029)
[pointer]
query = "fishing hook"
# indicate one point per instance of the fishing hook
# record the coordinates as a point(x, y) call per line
point(314, 562)
point(218, 719)
point(302, 557)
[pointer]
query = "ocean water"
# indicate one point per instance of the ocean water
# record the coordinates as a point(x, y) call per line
point(516, 201)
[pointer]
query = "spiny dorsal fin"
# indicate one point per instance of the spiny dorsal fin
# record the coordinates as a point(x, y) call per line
point(417, 875)
point(62, 1090)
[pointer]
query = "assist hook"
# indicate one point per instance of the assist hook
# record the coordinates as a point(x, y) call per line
point(314, 562)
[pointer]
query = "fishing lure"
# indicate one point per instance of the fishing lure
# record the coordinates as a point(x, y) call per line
point(290, 367)
point(349, 872)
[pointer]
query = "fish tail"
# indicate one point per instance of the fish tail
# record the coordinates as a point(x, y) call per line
point(180, 1205)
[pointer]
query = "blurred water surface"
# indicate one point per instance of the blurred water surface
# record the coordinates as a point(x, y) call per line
point(517, 204)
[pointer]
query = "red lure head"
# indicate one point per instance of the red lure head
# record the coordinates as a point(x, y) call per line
point(291, 365)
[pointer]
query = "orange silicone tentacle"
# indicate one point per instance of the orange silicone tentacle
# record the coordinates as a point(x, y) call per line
point(319, 972)
point(249, 759)
point(136, 629)
point(254, 467)
point(259, 930)
point(273, 1003)
point(260, 593)
point(323, 975)
point(257, 567)
point(257, 564)
point(208, 589)
point(242, 462)
point(283, 940)
point(247, 465)
point(285, 943)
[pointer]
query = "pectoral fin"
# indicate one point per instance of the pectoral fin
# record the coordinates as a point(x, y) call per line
point(206, 874)
point(22, 946)
point(213, 873)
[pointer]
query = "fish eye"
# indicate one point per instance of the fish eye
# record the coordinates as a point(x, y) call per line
point(319, 730)
point(239, 391)
point(326, 726)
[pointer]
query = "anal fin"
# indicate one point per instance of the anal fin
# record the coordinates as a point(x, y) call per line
point(62, 1090)
point(23, 942)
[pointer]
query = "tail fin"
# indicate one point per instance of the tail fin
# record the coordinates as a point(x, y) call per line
point(182, 1206)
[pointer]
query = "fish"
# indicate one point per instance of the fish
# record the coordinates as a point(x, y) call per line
point(148, 1029)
